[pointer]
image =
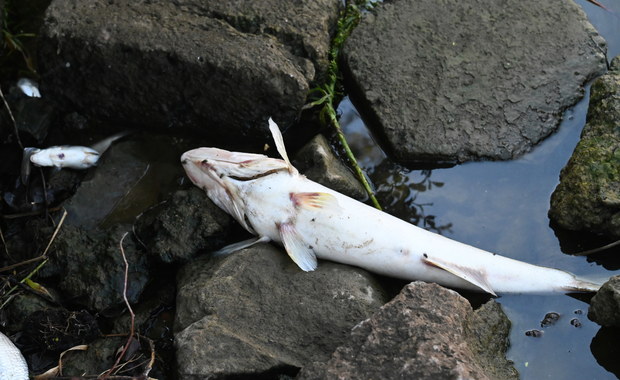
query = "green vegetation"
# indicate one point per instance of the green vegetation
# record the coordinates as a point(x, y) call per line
point(19, 21)
point(329, 93)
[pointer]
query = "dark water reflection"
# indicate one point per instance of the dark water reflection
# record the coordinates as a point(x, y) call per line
point(502, 207)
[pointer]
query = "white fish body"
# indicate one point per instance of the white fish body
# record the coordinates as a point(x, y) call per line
point(74, 157)
point(12, 363)
point(272, 200)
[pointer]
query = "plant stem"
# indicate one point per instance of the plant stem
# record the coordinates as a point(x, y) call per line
point(349, 19)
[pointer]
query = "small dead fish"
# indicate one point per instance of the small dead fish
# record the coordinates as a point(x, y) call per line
point(29, 87)
point(66, 156)
point(270, 199)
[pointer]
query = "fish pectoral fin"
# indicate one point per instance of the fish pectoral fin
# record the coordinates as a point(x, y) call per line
point(26, 164)
point(301, 253)
point(240, 245)
point(470, 275)
point(279, 140)
point(314, 200)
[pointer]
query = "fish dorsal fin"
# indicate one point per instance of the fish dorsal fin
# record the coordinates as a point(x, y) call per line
point(279, 140)
point(301, 253)
point(470, 275)
point(314, 201)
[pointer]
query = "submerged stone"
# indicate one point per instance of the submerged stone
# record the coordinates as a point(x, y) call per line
point(220, 67)
point(588, 196)
point(469, 79)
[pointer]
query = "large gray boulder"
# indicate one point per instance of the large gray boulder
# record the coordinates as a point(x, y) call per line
point(256, 312)
point(470, 79)
point(426, 332)
point(221, 67)
point(588, 196)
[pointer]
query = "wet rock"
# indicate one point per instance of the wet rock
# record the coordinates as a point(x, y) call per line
point(426, 332)
point(317, 161)
point(256, 312)
point(588, 196)
point(118, 171)
point(222, 67)
point(91, 267)
point(132, 175)
point(469, 79)
point(605, 305)
point(189, 221)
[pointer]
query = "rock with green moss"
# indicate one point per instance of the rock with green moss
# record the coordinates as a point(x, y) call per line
point(588, 196)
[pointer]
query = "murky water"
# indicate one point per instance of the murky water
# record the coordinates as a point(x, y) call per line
point(502, 207)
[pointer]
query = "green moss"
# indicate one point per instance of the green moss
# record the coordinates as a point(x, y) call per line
point(588, 196)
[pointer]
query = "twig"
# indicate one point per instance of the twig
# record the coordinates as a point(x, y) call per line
point(599, 249)
point(43, 257)
point(107, 374)
point(19, 141)
point(6, 249)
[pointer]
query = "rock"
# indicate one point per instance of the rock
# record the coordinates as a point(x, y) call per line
point(255, 312)
point(426, 332)
point(588, 196)
point(605, 305)
point(189, 221)
point(317, 161)
point(469, 79)
point(91, 268)
point(218, 67)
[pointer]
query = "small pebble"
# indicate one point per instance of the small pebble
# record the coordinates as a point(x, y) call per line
point(534, 333)
point(550, 319)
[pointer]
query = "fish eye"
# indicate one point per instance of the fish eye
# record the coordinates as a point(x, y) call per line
point(61, 156)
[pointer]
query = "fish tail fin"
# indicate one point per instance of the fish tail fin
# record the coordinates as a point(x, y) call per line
point(585, 284)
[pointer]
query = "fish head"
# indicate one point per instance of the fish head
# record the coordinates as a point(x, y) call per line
point(222, 174)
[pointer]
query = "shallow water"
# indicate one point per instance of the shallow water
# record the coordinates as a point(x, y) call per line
point(502, 207)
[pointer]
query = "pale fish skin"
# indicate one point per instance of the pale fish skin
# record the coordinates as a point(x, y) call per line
point(73, 157)
point(12, 363)
point(270, 199)
point(29, 87)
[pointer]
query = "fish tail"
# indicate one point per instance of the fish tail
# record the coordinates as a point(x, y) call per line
point(584, 285)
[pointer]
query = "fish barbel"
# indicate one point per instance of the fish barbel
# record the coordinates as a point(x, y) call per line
point(270, 199)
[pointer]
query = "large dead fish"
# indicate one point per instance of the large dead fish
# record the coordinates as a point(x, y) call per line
point(270, 199)
point(12, 363)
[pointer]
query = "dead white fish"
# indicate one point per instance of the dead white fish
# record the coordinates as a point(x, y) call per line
point(12, 363)
point(66, 156)
point(270, 199)
point(29, 87)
